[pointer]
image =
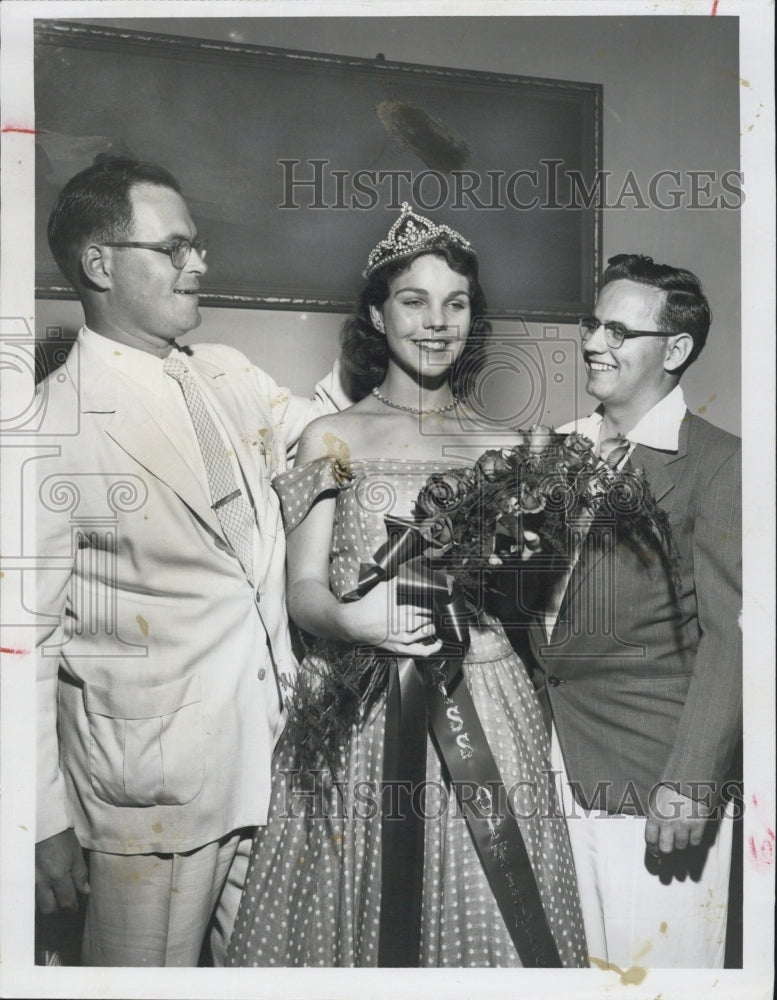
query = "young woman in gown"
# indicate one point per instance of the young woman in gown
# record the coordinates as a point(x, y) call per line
point(313, 889)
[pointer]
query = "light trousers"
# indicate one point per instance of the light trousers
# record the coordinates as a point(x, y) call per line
point(155, 909)
point(640, 911)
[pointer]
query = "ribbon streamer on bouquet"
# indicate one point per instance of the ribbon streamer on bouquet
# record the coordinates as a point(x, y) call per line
point(430, 694)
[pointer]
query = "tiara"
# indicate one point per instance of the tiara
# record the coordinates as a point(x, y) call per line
point(409, 234)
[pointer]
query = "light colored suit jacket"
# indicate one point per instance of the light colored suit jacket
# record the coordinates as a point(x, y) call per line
point(160, 669)
point(644, 688)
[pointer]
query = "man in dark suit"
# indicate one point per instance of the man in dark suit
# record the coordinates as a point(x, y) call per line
point(640, 662)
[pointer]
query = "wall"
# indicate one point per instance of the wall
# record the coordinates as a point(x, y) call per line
point(671, 102)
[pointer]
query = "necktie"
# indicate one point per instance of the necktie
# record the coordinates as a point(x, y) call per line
point(233, 511)
point(614, 450)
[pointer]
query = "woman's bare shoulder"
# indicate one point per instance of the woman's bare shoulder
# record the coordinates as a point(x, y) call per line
point(335, 435)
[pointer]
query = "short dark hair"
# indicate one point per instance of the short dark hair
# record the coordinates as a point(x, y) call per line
point(364, 348)
point(685, 308)
point(95, 205)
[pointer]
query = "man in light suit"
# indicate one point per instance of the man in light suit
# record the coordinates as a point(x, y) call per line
point(164, 652)
point(642, 675)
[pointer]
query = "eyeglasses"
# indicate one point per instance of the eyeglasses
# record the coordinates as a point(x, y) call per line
point(614, 333)
point(178, 250)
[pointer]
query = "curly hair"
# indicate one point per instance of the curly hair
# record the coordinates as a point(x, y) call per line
point(364, 356)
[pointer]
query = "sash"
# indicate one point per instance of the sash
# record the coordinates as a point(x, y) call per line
point(430, 694)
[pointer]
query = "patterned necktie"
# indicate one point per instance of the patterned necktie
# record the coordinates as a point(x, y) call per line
point(233, 511)
point(614, 450)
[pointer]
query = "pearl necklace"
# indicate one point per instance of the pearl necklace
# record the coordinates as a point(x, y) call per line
point(412, 409)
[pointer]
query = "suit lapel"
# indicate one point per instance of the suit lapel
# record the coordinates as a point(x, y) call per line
point(132, 425)
point(134, 429)
point(249, 452)
point(657, 468)
point(593, 548)
point(251, 457)
point(661, 470)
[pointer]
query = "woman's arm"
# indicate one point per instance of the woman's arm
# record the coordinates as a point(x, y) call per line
point(376, 619)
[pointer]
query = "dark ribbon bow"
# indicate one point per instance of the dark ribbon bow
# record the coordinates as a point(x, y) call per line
point(429, 694)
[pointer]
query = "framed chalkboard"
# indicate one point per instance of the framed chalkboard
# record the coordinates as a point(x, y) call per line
point(294, 164)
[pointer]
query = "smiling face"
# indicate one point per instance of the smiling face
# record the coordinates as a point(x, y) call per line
point(426, 317)
point(633, 378)
point(148, 300)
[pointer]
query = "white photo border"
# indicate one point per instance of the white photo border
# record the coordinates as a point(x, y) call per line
point(18, 975)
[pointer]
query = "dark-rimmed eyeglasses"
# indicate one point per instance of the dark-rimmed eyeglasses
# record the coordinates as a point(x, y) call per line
point(614, 333)
point(179, 251)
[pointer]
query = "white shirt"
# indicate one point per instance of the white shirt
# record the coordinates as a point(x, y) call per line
point(659, 428)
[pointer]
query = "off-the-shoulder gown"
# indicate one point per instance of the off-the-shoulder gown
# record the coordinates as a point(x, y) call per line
point(313, 890)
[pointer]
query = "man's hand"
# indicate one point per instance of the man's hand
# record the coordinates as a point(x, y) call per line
point(60, 872)
point(674, 821)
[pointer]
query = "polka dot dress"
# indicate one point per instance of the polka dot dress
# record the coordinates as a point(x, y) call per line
point(312, 894)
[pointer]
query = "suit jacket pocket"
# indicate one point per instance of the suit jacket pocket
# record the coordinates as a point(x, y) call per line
point(146, 744)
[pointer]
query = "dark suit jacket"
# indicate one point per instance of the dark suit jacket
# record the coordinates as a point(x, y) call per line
point(645, 685)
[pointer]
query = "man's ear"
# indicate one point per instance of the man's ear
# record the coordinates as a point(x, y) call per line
point(377, 319)
point(96, 266)
point(678, 349)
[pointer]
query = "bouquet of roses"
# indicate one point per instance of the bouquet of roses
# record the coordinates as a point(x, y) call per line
point(471, 519)
point(543, 486)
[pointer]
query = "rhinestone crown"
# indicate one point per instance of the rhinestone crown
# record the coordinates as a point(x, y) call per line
point(409, 234)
